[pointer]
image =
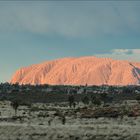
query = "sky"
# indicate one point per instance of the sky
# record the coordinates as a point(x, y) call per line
point(37, 31)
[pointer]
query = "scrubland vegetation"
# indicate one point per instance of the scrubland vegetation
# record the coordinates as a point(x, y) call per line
point(97, 113)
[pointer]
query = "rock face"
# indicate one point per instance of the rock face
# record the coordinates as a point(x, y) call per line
point(80, 71)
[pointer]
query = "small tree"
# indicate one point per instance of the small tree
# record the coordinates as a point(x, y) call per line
point(71, 100)
point(63, 120)
point(74, 104)
point(49, 122)
point(15, 106)
point(85, 100)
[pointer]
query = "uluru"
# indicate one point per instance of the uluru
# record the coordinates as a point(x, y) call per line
point(80, 71)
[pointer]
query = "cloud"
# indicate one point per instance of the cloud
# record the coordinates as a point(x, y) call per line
point(125, 51)
point(91, 19)
point(124, 54)
point(122, 51)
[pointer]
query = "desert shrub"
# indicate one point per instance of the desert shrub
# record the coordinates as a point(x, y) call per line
point(138, 98)
point(96, 100)
point(35, 108)
point(15, 105)
point(85, 100)
point(49, 122)
point(125, 110)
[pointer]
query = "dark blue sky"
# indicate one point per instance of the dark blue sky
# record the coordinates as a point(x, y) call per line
point(32, 32)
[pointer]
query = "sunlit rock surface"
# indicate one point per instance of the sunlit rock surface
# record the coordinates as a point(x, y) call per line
point(80, 71)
